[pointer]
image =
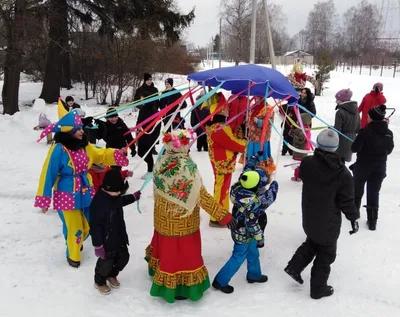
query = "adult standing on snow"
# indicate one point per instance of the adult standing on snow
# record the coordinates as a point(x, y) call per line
point(174, 254)
point(66, 169)
point(166, 101)
point(146, 141)
point(373, 99)
point(373, 145)
point(347, 121)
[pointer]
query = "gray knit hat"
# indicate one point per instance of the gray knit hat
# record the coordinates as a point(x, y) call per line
point(328, 140)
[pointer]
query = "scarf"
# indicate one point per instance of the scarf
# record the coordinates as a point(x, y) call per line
point(177, 179)
point(300, 77)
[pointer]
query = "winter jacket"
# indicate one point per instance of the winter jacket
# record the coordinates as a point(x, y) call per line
point(373, 144)
point(199, 114)
point(107, 224)
point(166, 101)
point(308, 104)
point(66, 171)
point(247, 208)
point(347, 121)
point(223, 146)
point(328, 190)
point(300, 141)
point(68, 108)
point(148, 109)
point(114, 135)
point(92, 134)
point(370, 101)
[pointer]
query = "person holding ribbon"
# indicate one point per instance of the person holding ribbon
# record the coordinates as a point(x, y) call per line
point(259, 133)
point(174, 255)
point(65, 177)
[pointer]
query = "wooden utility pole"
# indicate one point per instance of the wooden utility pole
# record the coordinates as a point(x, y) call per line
point(253, 33)
point(269, 37)
point(220, 43)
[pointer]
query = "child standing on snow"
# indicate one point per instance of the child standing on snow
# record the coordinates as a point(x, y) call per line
point(327, 192)
point(300, 141)
point(108, 231)
point(373, 144)
point(98, 171)
point(248, 236)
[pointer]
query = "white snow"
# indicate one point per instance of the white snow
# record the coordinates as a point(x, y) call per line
point(36, 280)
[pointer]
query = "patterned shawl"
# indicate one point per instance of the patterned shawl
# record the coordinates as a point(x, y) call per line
point(177, 179)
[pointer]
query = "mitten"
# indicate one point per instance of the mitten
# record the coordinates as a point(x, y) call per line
point(260, 244)
point(354, 226)
point(137, 195)
point(100, 252)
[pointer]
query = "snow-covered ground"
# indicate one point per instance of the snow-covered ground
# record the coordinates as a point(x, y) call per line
point(36, 280)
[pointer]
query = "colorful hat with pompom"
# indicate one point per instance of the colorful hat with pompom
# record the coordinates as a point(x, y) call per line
point(68, 122)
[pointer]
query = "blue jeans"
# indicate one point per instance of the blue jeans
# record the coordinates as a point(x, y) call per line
point(241, 252)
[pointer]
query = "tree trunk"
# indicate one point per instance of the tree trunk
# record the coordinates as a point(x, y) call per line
point(66, 69)
point(13, 59)
point(58, 35)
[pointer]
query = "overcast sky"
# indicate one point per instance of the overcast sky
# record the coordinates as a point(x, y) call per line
point(206, 23)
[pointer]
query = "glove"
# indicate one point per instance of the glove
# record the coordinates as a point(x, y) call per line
point(232, 225)
point(137, 195)
point(129, 173)
point(354, 226)
point(260, 244)
point(100, 252)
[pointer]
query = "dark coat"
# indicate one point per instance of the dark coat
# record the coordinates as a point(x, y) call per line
point(328, 190)
point(199, 114)
point(92, 134)
point(107, 224)
point(308, 103)
point(114, 135)
point(166, 101)
point(373, 144)
point(148, 109)
point(347, 121)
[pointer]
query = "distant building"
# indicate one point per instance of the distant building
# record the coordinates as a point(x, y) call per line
point(294, 57)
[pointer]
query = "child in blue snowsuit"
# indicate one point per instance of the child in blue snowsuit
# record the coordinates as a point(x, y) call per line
point(250, 199)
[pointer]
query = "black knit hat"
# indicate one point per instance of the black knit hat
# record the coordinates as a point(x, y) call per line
point(113, 181)
point(147, 76)
point(169, 81)
point(111, 111)
point(377, 113)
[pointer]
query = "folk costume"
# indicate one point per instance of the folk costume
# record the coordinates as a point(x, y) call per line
point(223, 147)
point(298, 78)
point(174, 255)
point(255, 123)
point(65, 177)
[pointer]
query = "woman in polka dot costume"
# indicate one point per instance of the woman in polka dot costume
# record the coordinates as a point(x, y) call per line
point(65, 178)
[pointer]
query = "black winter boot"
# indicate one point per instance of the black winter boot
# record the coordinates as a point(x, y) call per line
point(262, 279)
point(294, 275)
point(372, 217)
point(224, 289)
point(323, 292)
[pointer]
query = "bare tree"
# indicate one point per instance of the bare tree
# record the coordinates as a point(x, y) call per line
point(236, 15)
point(301, 40)
point(13, 14)
point(361, 29)
point(321, 27)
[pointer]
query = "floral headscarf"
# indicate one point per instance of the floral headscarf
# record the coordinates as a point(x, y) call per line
point(176, 176)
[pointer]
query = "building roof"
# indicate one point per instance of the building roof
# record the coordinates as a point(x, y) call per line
point(297, 53)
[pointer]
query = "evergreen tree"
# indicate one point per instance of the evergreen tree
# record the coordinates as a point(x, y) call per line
point(325, 66)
